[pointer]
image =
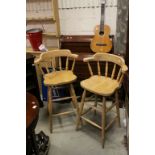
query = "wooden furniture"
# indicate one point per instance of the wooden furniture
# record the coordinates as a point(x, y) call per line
point(35, 143)
point(104, 86)
point(80, 45)
point(32, 114)
point(56, 73)
point(31, 79)
point(44, 15)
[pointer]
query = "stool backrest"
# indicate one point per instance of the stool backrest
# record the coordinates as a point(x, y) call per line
point(117, 61)
point(52, 61)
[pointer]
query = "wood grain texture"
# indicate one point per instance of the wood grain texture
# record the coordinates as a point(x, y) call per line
point(55, 74)
point(59, 78)
point(105, 86)
point(101, 43)
point(100, 85)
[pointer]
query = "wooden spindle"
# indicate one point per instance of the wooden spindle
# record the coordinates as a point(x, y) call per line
point(60, 65)
point(73, 64)
point(121, 78)
point(106, 69)
point(53, 64)
point(46, 67)
point(41, 69)
point(113, 71)
point(90, 70)
point(67, 63)
point(119, 74)
point(98, 68)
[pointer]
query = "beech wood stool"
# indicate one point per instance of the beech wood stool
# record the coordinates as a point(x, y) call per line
point(104, 86)
point(60, 75)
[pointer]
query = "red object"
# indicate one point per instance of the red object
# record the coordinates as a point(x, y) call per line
point(35, 38)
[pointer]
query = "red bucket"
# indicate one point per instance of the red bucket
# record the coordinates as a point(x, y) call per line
point(35, 38)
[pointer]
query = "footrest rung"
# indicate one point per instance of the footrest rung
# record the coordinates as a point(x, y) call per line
point(91, 122)
point(110, 123)
point(64, 113)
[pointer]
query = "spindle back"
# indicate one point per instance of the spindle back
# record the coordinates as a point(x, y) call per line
point(52, 61)
point(117, 61)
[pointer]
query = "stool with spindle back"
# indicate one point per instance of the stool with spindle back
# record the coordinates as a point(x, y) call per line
point(104, 86)
point(55, 74)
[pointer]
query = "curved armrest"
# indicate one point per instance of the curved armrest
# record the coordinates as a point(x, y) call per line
point(75, 56)
point(88, 59)
point(36, 61)
point(124, 68)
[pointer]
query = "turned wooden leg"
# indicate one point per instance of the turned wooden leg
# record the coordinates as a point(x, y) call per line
point(74, 98)
point(103, 123)
point(80, 109)
point(95, 104)
point(117, 108)
point(50, 104)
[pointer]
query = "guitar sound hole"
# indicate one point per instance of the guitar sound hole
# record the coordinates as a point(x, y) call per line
point(101, 33)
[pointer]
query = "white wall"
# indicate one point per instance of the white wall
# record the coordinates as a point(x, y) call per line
point(79, 17)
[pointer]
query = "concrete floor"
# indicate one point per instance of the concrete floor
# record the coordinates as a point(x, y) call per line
point(65, 140)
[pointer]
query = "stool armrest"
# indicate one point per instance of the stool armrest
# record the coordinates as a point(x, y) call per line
point(75, 56)
point(124, 68)
point(88, 59)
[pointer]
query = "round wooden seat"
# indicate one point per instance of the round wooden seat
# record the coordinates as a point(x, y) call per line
point(100, 85)
point(59, 78)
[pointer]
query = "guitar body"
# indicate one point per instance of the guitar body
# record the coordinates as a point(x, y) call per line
point(101, 42)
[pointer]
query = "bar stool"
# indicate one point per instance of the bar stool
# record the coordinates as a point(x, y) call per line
point(103, 85)
point(55, 74)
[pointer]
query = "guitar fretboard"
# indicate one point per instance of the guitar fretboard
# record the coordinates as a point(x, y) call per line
point(102, 18)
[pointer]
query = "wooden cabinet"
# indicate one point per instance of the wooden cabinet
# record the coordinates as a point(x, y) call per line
point(31, 79)
point(81, 46)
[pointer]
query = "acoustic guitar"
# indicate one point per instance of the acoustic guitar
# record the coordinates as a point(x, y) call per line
point(101, 41)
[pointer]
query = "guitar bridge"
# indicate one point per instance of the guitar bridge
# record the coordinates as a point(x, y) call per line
point(101, 44)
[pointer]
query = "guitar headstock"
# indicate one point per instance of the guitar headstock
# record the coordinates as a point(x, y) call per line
point(103, 1)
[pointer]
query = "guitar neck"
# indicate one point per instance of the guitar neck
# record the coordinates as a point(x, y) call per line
point(102, 18)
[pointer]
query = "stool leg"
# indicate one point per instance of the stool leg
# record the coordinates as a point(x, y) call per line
point(74, 98)
point(95, 104)
point(103, 123)
point(50, 104)
point(81, 109)
point(117, 108)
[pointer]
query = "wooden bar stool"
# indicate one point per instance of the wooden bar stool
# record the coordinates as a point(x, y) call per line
point(55, 74)
point(103, 86)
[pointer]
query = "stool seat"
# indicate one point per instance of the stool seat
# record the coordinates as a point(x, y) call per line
point(59, 78)
point(100, 85)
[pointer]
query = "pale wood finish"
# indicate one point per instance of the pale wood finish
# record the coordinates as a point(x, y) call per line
point(90, 70)
point(103, 123)
point(106, 69)
point(117, 109)
point(50, 107)
point(74, 98)
point(98, 68)
point(59, 78)
point(80, 110)
point(100, 85)
point(103, 85)
point(113, 71)
point(53, 77)
point(101, 39)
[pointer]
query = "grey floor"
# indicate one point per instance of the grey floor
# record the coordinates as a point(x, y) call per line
point(65, 140)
